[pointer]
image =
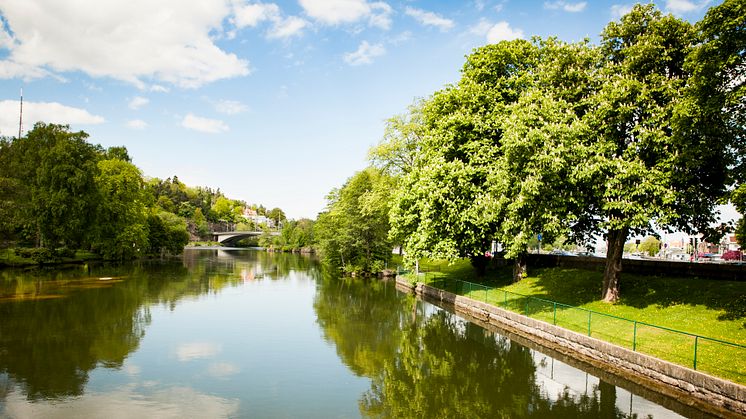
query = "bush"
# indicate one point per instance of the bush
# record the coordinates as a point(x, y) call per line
point(732, 255)
point(37, 254)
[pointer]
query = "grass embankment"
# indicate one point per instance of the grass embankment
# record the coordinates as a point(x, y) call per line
point(708, 308)
point(18, 258)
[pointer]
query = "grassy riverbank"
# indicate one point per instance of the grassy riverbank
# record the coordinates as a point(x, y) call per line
point(715, 309)
point(32, 257)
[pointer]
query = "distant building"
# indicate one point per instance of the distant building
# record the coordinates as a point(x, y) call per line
point(251, 216)
point(729, 242)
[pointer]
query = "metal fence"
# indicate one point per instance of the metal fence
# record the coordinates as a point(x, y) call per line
point(702, 353)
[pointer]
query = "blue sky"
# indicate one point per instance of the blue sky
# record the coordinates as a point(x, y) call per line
point(272, 102)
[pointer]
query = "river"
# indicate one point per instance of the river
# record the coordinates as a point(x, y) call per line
point(251, 334)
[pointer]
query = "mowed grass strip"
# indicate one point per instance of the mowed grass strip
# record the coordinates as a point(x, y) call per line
point(698, 306)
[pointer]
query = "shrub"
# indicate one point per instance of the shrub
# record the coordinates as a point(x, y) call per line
point(732, 255)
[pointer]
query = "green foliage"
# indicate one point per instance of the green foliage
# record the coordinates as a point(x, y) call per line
point(200, 223)
point(295, 235)
point(119, 152)
point(276, 215)
point(167, 233)
point(62, 166)
point(353, 231)
point(650, 245)
point(396, 153)
point(576, 141)
point(440, 208)
point(122, 232)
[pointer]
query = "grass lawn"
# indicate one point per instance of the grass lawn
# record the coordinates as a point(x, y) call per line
point(709, 308)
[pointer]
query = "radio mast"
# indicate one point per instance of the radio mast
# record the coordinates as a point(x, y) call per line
point(20, 119)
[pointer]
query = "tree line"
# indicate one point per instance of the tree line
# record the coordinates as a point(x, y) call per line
point(640, 133)
point(60, 193)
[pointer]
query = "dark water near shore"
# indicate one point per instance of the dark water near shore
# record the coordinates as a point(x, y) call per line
point(253, 334)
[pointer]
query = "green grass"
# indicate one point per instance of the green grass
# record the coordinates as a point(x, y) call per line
point(709, 308)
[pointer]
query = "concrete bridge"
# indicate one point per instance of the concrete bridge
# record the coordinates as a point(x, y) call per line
point(231, 237)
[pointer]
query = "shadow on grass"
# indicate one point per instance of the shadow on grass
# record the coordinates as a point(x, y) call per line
point(578, 287)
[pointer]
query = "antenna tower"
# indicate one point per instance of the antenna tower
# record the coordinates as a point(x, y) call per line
point(20, 119)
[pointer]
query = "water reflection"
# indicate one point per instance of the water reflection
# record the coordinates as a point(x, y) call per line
point(245, 333)
point(130, 401)
point(431, 363)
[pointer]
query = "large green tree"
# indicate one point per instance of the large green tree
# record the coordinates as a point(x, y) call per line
point(532, 188)
point(122, 230)
point(651, 168)
point(440, 206)
point(353, 231)
point(57, 168)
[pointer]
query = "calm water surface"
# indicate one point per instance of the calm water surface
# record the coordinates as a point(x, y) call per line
point(252, 334)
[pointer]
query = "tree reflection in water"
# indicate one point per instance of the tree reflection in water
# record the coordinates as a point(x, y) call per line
point(57, 325)
point(426, 362)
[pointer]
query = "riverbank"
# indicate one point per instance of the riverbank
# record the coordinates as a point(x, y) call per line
point(699, 306)
point(724, 398)
point(23, 257)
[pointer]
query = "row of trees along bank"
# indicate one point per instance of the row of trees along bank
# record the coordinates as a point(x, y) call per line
point(58, 193)
point(641, 132)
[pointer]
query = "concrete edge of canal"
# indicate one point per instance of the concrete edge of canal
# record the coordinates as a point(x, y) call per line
point(711, 394)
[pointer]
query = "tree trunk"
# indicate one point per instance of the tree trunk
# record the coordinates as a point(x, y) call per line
point(607, 402)
point(519, 267)
point(479, 262)
point(613, 270)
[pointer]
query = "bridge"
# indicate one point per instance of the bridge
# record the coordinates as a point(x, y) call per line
point(231, 237)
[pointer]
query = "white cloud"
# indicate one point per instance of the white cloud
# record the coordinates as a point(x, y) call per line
point(206, 125)
point(49, 112)
point(230, 107)
point(619, 10)
point(222, 369)
point(335, 12)
point(135, 400)
point(197, 350)
point(566, 6)
point(287, 27)
point(138, 102)
point(429, 18)
point(136, 41)
point(365, 54)
point(138, 124)
point(685, 6)
point(6, 41)
point(401, 38)
point(158, 88)
point(500, 31)
point(253, 14)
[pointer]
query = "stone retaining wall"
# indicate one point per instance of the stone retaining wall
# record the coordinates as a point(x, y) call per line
point(705, 392)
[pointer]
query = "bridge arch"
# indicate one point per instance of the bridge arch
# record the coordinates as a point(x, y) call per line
point(229, 238)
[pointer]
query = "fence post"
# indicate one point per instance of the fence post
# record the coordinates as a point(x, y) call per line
point(634, 337)
point(555, 312)
point(589, 322)
point(696, 340)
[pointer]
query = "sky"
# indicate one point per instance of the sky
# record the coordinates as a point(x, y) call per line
point(274, 103)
